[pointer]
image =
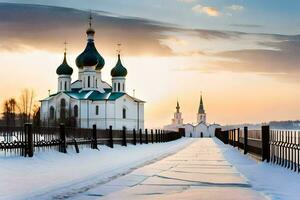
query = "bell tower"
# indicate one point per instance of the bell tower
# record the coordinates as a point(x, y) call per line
point(201, 115)
point(177, 116)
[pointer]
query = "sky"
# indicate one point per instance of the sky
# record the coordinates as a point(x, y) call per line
point(243, 55)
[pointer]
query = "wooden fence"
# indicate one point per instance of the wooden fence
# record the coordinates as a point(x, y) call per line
point(279, 147)
point(26, 140)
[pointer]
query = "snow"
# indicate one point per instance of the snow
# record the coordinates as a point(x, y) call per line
point(205, 167)
point(198, 171)
point(273, 180)
point(51, 171)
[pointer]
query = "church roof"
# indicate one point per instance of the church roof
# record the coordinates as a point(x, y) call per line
point(94, 95)
point(201, 107)
point(90, 56)
point(119, 69)
point(64, 68)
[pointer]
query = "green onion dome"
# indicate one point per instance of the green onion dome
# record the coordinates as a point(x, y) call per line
point(119, 69)
point(90, 56)
point(64, 68)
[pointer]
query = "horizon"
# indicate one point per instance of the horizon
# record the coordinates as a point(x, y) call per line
point(248, 75)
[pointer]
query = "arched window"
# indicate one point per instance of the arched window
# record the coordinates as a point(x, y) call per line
point(75, 111)
point(60, 85)
point(123, 87)
point(65, 85)
point(97, 110)
point(119, 87)
point(51, 112)
point(89, 81)
point(96, 83)
point(115, 87)
point(124, 113)
point(62, 109)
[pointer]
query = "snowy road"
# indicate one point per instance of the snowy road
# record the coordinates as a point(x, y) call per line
point(197, 172)
point(53, 175)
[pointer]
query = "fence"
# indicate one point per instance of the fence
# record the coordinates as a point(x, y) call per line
point(279, 147)
point(26, 140)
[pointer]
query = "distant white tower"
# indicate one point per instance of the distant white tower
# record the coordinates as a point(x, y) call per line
point(177, 116)
point(201, 116)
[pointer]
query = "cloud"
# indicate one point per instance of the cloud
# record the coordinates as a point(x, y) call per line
point(247, 25)
point(25, 26)
point(210, 11)
point(187, 1)
point(236, 7)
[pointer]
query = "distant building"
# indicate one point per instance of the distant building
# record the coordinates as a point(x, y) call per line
point(200, 129)
point(90, 100)
point(177, 121)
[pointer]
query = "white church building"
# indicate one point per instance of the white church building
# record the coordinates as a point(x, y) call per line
point(199, 129)
point(90, 100)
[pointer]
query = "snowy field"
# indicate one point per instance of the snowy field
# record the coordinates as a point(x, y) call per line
point(51, 171)
point(273, 180)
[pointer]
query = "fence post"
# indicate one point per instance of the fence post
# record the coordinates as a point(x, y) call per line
point(234, 137)
point(265, 137)
point(156, 136)
point(152, 139)
point(94, 136)
point(134, 136)
point(146, 136)
point(111, 140)
point(238, 137)
point(226, 137)
point(29, 145)
point(62, 137)
point(141, 139)
point(124, 141)
point(245, 140)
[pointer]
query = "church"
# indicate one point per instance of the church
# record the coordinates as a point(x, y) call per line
point(199, 129)
point(90, 100)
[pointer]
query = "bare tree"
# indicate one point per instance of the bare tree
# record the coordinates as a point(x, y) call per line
point(9, 108)
point(25, 105)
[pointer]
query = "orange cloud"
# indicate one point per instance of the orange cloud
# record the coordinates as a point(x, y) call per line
point(210, 11)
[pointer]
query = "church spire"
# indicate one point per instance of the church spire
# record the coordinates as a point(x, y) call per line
point(177, 107)
point(201, 106)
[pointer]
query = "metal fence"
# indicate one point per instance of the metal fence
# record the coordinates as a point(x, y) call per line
point(26, 140)
point(279, 147)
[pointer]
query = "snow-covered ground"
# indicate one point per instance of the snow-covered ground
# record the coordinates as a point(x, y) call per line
point(273, 180)
point(51, 171)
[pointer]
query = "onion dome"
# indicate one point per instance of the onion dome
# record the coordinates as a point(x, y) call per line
point(64, 68)
point(119, 69)
point(90, 56)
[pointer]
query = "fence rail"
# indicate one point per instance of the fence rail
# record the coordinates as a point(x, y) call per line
point(26, 140)
point(279, 147)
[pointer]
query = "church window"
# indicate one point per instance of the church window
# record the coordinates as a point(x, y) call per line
point(96, 83)
point(115, 87)
point(123, 87)
point(75, 111)
point(62, 109)
point(60, 85)
point(65, 85)
point(51, 113)
point(119, 87)
point(97, 110)
point(124, 113)
point(89, 81)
